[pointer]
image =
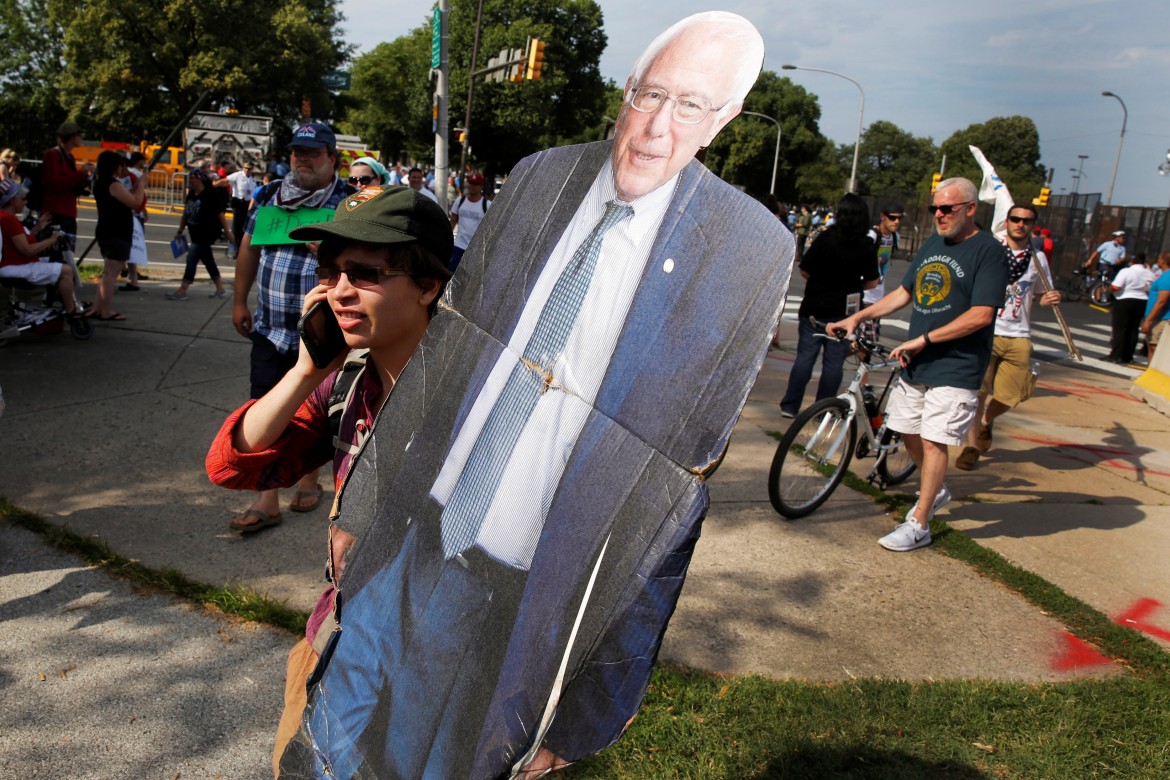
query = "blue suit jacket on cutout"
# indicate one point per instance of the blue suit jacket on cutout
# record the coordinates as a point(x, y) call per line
point(688, 354)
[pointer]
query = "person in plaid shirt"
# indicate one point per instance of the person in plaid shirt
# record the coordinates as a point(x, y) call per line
point(286, 273)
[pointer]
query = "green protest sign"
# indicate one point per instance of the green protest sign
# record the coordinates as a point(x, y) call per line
point(273, 224)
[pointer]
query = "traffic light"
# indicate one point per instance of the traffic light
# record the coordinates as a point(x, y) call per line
point(1043, 199)
point(535, 59)
point(934, 180)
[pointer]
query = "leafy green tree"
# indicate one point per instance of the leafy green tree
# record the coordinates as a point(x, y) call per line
point(31, 64)
point(1011, 144)
point(745, 151)
point(391, 95)
point(892, 160)
point(509, 120)
point(135, 66)
point(825, 178)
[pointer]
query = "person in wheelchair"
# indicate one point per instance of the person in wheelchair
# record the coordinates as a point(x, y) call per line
point(20, 255)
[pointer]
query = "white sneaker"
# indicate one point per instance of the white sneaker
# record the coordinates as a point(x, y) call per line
point(907, 536)
point(941, 499)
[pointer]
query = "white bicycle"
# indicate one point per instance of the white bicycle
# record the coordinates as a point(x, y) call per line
point(820, 443)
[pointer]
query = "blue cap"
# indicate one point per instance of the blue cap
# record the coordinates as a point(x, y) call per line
point(314, 135)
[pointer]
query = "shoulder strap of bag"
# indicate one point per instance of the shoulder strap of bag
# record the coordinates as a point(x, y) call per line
point(342, 395)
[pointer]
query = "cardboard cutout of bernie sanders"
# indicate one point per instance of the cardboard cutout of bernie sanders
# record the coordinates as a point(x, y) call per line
point(528, 502)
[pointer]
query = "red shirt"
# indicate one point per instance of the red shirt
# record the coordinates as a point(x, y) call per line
point(305, 445)
point(10, 226)
point(59, 178)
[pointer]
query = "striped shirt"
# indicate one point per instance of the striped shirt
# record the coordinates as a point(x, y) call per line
point(287, 272)
point(512, 527)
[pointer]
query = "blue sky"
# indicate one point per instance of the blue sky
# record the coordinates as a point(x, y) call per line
point(933, 68)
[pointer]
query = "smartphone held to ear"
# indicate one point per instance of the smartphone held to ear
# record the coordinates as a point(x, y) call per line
point(321, 334)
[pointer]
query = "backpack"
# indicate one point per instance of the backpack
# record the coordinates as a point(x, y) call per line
point(339, 399)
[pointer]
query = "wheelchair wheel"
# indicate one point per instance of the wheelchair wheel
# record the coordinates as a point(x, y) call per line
point(80, 328)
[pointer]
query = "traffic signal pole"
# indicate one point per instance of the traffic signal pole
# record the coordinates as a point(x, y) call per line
point(443, 71)
point(470, 88)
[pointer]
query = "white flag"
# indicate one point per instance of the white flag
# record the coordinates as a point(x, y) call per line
point(993, 190)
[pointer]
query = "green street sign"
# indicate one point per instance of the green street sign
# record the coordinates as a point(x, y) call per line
point(436, 38)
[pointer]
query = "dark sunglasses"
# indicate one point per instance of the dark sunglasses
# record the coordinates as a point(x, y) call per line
point(362, 180)
point(1017, 220)
point(947, 208)
point(329, 275)
point(894, 217)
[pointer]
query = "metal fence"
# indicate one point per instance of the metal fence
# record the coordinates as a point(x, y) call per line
point(1079, 224)
point(166, 190)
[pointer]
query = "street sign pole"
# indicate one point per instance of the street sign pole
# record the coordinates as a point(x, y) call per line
point(441, 64)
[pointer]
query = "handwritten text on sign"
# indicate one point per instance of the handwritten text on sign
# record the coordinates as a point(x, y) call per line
point(273, 224)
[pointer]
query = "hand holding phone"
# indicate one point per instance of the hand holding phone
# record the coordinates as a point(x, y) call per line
point(321, 334)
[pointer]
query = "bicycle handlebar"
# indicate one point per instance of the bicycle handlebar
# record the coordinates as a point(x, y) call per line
point(866, 345)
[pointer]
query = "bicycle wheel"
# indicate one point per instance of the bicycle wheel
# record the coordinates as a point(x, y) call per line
point(896, 466)
point(1073, 289)
point(1101, 294)
point(812, 457)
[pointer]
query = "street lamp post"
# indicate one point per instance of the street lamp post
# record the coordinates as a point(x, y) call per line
point(860, 115)
point(776, 158)
point(1124, 119)
point(1080, 171)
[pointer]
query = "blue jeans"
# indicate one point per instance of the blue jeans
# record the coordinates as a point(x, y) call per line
point(808, 346)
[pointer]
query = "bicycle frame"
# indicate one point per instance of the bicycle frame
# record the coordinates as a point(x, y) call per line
point(871, 441)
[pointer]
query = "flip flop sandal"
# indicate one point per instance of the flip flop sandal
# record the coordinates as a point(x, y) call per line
point(306, 500)
point(264, 520)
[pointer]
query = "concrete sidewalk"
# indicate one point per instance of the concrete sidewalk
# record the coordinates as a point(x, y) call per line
point(108, 437)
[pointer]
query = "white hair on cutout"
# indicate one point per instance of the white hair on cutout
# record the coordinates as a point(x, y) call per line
point(740, 35)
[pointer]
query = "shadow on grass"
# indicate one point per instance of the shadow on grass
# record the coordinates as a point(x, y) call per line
point(863, 763)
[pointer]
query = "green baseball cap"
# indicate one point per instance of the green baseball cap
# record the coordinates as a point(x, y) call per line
point(386, 215)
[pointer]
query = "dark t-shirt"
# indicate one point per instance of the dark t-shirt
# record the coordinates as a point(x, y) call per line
point(944, 281)
point(836, 265)
point(203, 212)
point(115, 219)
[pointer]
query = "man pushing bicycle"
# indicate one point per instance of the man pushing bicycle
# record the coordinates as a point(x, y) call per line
point(955, 284)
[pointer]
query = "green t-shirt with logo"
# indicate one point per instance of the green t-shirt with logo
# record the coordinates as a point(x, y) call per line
point(944, 281)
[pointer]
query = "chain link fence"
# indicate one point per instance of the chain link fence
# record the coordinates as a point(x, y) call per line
point(1079, 224)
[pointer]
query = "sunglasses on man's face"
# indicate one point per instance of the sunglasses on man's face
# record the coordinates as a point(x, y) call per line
point(894, 217)
point(947, 208)
point(360, 181)
point(1017, 220)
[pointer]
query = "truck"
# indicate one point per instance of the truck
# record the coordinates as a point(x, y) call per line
point(228, 138)
point(350, 148)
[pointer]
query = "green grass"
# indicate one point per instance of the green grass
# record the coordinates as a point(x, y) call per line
point(700, 725)
point(231, 600)
point(90, 271)
point(697, 725)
